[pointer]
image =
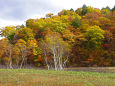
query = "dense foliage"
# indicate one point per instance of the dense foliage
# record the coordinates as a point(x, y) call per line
point(84, 37)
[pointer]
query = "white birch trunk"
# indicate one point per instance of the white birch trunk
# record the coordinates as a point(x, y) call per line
point(22, 62)
point(10, 64)
point(46, 60)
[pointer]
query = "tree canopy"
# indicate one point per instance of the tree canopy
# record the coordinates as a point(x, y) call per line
point(81, 37)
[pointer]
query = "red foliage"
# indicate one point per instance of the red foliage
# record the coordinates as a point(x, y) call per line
point(106, 45)
point(93, 15)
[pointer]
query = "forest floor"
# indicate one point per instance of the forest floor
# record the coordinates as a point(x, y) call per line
point(34, 77)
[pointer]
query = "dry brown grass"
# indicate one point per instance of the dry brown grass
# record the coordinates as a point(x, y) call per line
point(54, 78)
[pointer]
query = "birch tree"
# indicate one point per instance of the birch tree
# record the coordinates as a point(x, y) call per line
point(58, 48)
point(9, 53)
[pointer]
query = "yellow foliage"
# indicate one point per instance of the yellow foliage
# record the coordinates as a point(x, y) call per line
point(69, 35)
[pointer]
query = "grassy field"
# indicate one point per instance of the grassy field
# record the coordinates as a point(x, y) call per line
point(32, 77)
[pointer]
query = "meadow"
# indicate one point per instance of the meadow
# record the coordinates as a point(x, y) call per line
point(34, 77)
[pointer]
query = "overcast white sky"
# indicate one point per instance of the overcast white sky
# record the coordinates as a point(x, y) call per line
point(16, 12)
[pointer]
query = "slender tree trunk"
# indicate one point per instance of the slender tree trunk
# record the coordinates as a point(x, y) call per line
point(10, 64)
point(55, 62)
point(17, 62)
point(10, 57)
point(47, 63)
point(22, 62)
point(46, 60)
point(61, 64)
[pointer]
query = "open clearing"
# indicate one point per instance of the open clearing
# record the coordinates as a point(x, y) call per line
point(32, 77)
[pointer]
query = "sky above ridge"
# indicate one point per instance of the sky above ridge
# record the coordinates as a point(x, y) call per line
point(16, 12)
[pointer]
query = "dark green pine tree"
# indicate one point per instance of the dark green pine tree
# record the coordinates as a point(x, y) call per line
point(113, 9)
point(84, 10)
point(76, 23)
point(72, 10)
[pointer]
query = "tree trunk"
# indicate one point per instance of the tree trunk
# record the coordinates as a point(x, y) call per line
point(10, 64)
point(22, 62)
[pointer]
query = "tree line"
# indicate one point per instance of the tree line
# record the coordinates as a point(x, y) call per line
point(81, 37)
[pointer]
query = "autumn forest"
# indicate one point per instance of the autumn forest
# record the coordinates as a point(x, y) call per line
point(84, 37)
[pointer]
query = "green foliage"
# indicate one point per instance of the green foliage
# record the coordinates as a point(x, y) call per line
point(108, 8)
point(76, 23)
point(71, 10)
point(84, 10)
point(113, 9)
point(8, 32)
point(95, 37)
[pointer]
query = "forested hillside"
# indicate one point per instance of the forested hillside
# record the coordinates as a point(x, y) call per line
point(72, 38)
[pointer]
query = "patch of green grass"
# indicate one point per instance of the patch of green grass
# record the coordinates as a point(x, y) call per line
point(32, 77)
